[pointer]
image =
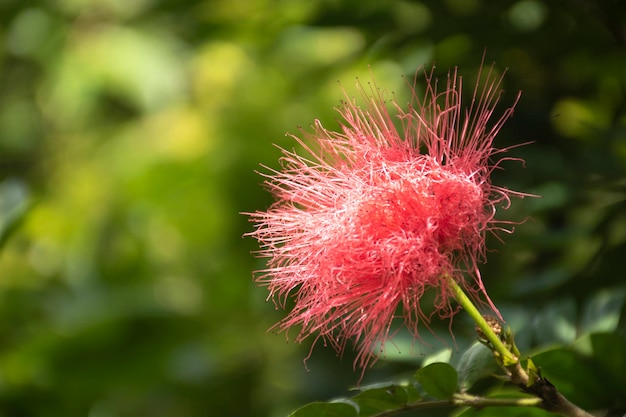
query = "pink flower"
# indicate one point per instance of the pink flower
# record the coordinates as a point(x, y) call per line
point(366, 220)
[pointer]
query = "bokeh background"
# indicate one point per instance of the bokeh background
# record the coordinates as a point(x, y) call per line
point(130, 131)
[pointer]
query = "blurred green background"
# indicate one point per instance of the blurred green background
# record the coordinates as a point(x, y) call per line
point(129, 135)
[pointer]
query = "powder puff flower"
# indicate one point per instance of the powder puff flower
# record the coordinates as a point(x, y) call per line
point(369, 218)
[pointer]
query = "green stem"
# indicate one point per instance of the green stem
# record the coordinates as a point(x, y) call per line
point(465, 400)
point(506, 356)
point(481, 402)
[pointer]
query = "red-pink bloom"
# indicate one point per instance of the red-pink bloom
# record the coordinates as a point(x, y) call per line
point(374, 216)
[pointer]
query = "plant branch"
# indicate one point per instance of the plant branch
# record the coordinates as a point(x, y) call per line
point(551, 399)
point(465, 400)
point(548, 396)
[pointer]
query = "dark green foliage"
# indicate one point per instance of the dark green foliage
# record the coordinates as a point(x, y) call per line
point(576, 370)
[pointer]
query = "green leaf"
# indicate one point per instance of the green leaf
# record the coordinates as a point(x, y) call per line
point(439, 380)
point(607, 350)
point(321, 409)
point(476, 362)
point(579, 378)
point(412, 392)
point(374, 401)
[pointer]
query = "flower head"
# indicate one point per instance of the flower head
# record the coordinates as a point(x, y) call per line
point(369, 218)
